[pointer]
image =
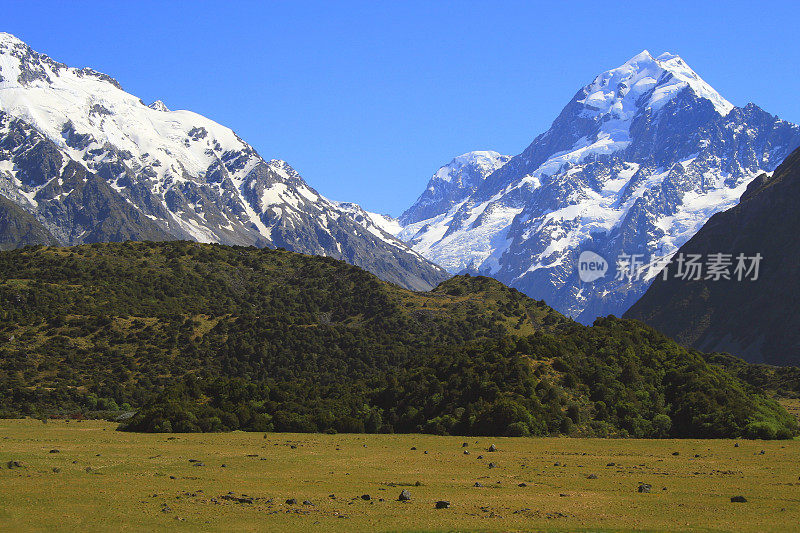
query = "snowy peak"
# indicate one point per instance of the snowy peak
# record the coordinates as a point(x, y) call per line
point(483, 162)
point(454, 182)
point(158, 105)
point(20, 65)
point(7, 38)
point(645, 82)
point(635, 163)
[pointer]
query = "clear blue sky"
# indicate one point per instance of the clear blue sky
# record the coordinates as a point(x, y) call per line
point(367, 99)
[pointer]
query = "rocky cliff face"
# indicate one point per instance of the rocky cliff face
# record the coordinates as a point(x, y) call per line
point(19, 228)
point(93, 163)
point(635, 163)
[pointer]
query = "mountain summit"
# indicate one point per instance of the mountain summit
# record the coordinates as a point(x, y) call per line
point(634, 164)
point(93, 163)
point(646, 82)
point(452, 183)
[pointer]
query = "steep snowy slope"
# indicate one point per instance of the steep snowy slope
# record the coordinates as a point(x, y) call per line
point(73, 142)
point(635, 164)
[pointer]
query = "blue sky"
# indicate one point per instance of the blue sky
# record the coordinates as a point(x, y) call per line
point(367, 99)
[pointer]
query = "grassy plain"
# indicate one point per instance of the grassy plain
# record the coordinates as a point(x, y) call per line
point(113, 481)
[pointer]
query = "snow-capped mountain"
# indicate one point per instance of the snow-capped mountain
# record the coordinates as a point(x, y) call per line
point(635, 163)
point(92, 163)
point(453, 183)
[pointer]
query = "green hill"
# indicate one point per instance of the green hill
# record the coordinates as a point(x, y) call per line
point(201, 337)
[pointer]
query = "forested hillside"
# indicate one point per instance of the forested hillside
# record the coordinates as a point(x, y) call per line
point(197, 337)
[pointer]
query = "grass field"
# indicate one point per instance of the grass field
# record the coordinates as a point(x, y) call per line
point(112, 481)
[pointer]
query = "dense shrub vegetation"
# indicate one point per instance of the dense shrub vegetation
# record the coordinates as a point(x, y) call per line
point(200, 337)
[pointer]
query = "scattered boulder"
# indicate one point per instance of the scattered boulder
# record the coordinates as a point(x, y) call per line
point(522, 485)
point(611, 464)
point(417, 484)
point(591, 476)
point(480, 457)
point(442, 504)
point(466, 452)
point(405, 496)
point(14, 464)
point(556, 464)
point(55, 450)
point(645, 487)
point(492, 465)
point(307, 502)
point(675, 453)
point(291, 501)
point(194, 460)
point(237, 499)
point(736, 445)
point(56, 469)
point(477, 484)
point(366, 497)
point(762, 452)
point(492, 448)
point(738, 499)
point(464, 444)
point(413, 447)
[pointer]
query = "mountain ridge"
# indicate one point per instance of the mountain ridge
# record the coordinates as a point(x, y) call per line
point(166, 174)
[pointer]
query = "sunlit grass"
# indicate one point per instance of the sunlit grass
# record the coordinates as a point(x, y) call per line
point(132, 477)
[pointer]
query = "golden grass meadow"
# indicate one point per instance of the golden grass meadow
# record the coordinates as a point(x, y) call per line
point(85, 476)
